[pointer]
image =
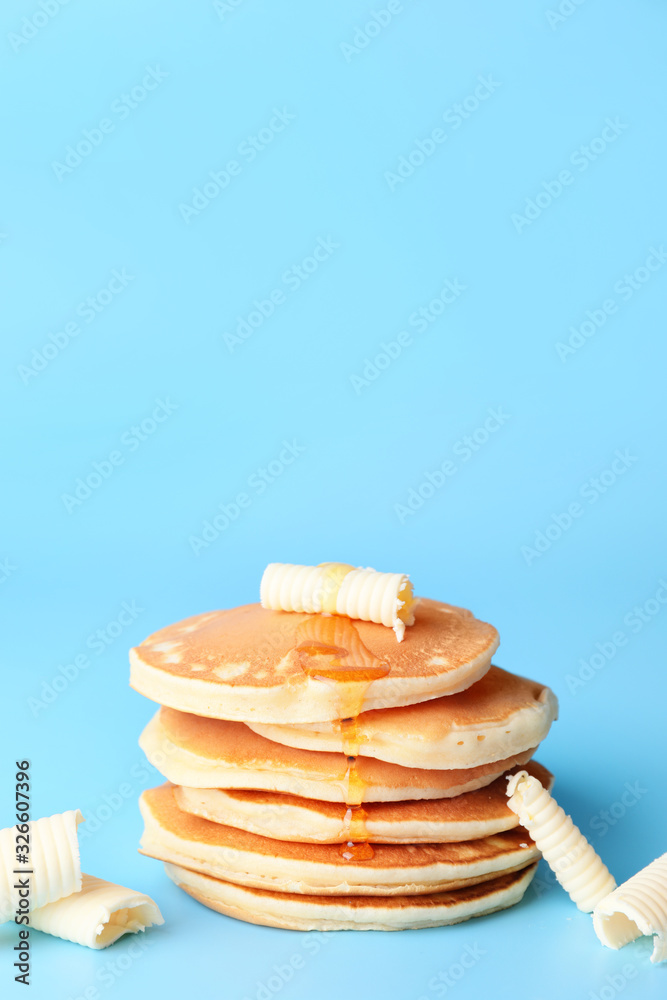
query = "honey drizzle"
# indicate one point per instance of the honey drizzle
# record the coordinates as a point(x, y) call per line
point(330, 649)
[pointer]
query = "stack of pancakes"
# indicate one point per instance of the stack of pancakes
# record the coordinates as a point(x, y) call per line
point(322, 775)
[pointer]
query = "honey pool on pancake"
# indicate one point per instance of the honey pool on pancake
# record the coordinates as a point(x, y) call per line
point(330, 650)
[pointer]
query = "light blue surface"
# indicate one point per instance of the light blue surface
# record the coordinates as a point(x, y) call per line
point(515, 279)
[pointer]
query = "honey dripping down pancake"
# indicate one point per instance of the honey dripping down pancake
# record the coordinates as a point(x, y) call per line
point(469, 816)
point(448, 649)
point(330, 650)
point(235, 855)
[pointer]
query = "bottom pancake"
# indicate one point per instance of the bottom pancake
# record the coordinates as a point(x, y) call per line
point(344, 913)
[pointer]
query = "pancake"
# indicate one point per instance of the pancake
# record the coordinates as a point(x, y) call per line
point(250, 664)
point(470, 816)
point(212, 753)
point(501, 715)
point(347, 913)
point(321, 869)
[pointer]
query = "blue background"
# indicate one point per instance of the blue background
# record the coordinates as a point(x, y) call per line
point(533, 257)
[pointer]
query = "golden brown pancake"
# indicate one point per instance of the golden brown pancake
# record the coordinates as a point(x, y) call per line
point(321, 869)
point(253, 665)
point(470, 816)
point(213, 753)
point(345, 913)
point(498, 716)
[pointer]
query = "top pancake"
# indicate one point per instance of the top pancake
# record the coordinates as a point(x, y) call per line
point(250, 664)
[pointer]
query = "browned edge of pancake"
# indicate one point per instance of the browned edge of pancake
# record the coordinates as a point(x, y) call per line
point(456, 905)
point(484, 804)
point(189, 828)
point(235, 744)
